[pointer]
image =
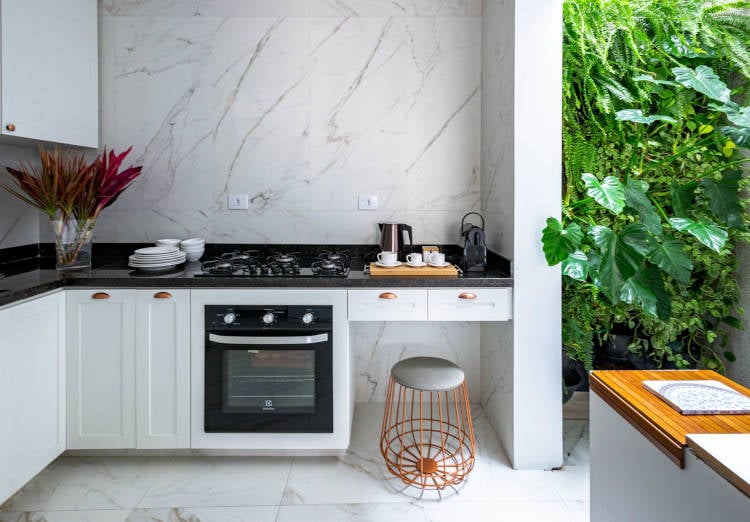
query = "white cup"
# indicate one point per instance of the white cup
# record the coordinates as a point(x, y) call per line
point(437, 258)
point(414, 259)
point(387, 258)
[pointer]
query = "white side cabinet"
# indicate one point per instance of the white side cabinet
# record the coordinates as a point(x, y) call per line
point(162, 335)
point(49, 70)
point(101, 369)
point(128, 369)
point(32, 355)
point(388, 304)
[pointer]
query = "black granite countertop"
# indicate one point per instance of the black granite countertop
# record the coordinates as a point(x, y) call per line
point(28, 275)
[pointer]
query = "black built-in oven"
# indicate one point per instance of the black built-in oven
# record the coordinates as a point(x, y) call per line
point(268, 369)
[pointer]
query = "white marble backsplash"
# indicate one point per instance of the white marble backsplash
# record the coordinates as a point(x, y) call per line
point(303, 105)
point(19, 222)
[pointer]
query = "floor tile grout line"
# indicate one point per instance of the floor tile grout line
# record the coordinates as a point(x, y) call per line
point(156, 479)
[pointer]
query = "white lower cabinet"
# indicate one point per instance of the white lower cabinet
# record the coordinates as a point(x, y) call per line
point(162, 383)
point(32, 357)
point(101, 369)
point(111, 334)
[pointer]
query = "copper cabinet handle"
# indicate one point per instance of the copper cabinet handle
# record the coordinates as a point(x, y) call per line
point(100, 295)
point(387, 295)
point(10, 127)
point(162, 295)
point(467, 295)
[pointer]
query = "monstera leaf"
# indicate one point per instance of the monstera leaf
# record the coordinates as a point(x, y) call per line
point(619, 260)
point(646, 289)
point(670, 256)
point(558, 242)
point(576, 266)
point(705, 231)
point(704, 80)
point(635, 198)
point(609, 192)
point(724, 200)
point(740, 136)
point(738, 115)
point(637, 116)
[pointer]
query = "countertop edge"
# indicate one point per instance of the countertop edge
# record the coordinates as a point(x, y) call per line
point(698, 443)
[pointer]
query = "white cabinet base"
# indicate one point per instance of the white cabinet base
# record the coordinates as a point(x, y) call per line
point(631, 479)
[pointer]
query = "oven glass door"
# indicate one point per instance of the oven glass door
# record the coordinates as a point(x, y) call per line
point(272, 383)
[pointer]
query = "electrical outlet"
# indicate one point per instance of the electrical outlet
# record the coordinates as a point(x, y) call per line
point(238, 202)
point(367, 202)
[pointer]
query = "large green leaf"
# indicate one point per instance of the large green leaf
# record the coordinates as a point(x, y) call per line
point(682, 197)
point(609, 192)
point(737, 114)
point(651, 79)
point(646, 289)
point(636, 198)
point(637, 116)
point(636, 236)
point(724, 199)
point(704, 80)
point(705, 231)
point(619, 261)
point(576, 266)
point(558, 242)
point(740, 136)
point(670, 256)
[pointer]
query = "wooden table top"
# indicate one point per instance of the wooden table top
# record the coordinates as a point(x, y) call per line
point(665, 427)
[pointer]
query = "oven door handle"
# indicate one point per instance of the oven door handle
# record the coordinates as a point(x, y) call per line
point(254, 340)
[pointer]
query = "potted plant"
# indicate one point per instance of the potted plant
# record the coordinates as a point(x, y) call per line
point(72, 193)
point(632, 260)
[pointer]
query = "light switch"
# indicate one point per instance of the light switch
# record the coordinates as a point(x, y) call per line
point(367, 202)
point(238, 202)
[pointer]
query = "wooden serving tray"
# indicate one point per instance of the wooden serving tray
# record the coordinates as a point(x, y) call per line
point(408, 271)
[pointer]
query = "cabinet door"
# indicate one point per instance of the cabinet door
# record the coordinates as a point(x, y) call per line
point(50, 70)
point(101, 369)
point(163, 364)
point(5, 405)
point(36, 381)
point(388, 304)
point(470, 304)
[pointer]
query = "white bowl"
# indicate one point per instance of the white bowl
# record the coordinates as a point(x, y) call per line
point(168, 242)
point(193, 256)
point(193, 242)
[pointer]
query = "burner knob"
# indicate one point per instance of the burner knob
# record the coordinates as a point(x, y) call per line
point(308, 318)
point(268, 318)
point(229, 318)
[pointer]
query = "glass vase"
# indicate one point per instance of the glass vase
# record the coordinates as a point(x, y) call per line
point(72, 243)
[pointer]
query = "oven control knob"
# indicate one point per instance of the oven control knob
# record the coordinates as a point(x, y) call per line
point(308, 318)
point(268, 318)
point(229, 318)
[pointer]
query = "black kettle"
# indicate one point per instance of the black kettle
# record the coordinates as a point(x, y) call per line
point(475, 247)
point(392, 238)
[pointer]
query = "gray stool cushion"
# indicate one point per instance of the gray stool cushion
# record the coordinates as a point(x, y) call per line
point(427, 374)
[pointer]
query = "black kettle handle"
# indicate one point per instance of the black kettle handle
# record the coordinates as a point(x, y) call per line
point(463, 219)
point(408, 229)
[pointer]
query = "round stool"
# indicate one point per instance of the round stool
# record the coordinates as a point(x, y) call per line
point(427, 438)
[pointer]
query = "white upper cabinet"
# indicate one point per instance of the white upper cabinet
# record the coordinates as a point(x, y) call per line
point(49, 86)
point(5, 405)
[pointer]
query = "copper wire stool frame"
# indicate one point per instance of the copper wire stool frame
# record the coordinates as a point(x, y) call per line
point(427, 438)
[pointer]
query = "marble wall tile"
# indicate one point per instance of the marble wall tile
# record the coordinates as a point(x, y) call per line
point(341, 226)
point(263, 8)
point(378, 346)
point(19, 222)
point(271, 226)
point(136, 226)
point(260, 114)
point(153, 7)
point(496, 367)
point(356, 112)
point(369, 8)
point(443, 108)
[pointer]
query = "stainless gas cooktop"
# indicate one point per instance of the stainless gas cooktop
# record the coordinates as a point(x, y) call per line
point(251, 263)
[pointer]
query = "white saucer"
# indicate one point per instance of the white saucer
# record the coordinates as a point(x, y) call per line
point(394, 265)
point(416, 265)
point(445, 263)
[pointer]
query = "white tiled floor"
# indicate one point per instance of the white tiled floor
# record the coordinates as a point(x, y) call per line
point(284, 489)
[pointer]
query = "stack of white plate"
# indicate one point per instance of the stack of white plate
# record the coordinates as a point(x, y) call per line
point(156, 258)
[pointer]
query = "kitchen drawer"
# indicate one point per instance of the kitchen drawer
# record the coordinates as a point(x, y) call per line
point(470, 304)
point(388, 304)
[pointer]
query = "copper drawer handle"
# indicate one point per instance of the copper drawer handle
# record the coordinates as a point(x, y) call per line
point(467, 295)
point(10, 127)
point(100, 295)
point(387, 295)
point(162, 295)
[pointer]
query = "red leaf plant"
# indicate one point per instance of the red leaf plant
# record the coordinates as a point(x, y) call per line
point(66, 187)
